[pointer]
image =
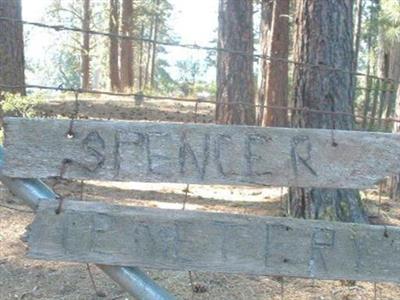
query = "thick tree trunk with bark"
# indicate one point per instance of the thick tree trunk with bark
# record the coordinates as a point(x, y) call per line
point(127, 59)
point(114, 46)
point(394, 104)
point(394, 76)
point(324, 36)
point(85, 50)
point(235, 82)
point(273, 90)
point(12, 63)
point(395, 192)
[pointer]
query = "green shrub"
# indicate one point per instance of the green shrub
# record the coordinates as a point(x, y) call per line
point(21, 106)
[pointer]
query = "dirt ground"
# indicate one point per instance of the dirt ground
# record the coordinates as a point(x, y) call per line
point(22, 278)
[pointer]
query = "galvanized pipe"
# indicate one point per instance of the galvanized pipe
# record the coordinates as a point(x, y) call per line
point(132, 279)
point(137, 283)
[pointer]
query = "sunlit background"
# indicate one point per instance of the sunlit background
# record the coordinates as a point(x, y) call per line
point(191, 22)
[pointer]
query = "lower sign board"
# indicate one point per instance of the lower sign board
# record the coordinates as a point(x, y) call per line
point(199, 154)
point(177, 240)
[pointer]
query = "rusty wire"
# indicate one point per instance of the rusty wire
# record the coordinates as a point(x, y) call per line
point(198, 101)
point(196, 47)
point(60, 27)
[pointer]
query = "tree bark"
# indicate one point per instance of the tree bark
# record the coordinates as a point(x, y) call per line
point(324, 36)
point(235, 82)
point(383, 71)
point(273, 90)
point(85, 50)
point(148, 56)
point(394, 75)
point(357, 34)
point(265, 33)
point(12, 62)
point(127, 58)
point(141, 55)
point(114, 46)
point(395, 192)
point(376, 88)
point(394, 104)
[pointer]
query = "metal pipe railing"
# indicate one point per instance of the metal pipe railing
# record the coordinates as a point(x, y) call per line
point(136, 283)
point(132, 279)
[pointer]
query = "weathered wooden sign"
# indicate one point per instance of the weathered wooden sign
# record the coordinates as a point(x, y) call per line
point(202, 154)
point(182, 240)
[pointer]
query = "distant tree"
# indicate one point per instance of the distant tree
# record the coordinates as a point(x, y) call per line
point(113, 57)
point(189, 71)
point(324, 36)
point(152, 19)
point(165, 83)
point(369, 61)
point(358, 14)
point(156, 27)
point(127, 59)
point(73, 54)
point(12, 63)
point(68, 69)
point(273, 90)
point(235, 82)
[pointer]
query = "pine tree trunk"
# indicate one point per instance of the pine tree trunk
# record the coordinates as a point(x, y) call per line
point(324, 35)
point(141, 49)
point(265, 33)
point(127, 59)
point(148, 56)
point(114, 46)
point(12, 63)
point(85, 51)
point(383, 71)
point(154, 48)
point(274, 88)
point(377, 87)
point(390, 106)
point(394, 75)
point(394, 106)
point(235, 82)
point(395, 192)
point(357, 34)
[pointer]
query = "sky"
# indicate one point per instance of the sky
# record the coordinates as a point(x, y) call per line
point(193, 21)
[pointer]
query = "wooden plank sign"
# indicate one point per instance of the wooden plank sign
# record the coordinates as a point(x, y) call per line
point(201, 154)
point(184, 240)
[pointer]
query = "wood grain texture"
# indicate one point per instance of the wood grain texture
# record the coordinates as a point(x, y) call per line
point(201, 154)
point(184, 240)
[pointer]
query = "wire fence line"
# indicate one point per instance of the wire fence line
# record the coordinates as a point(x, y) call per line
point(199, 100)
point(200, 47)
point(140, 95)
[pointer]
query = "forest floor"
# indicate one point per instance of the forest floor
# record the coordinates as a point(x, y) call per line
point(22, 278)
